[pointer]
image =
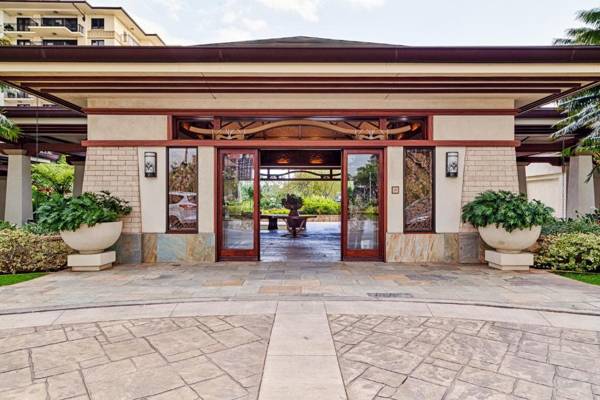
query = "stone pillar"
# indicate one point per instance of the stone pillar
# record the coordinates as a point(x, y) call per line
point(79, 167)
point(522, 176)
point(596, 179)
point(2, 196)
point(580, 194)
point(19, 207)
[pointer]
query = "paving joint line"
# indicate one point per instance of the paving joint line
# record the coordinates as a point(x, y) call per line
point(215, 300)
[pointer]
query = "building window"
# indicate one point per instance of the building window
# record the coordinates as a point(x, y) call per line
point(69, 23)
point(97, 23)
point(97, 42)
point(418, 190)
point(23, 42)
point(59, 42)
point(182, 198)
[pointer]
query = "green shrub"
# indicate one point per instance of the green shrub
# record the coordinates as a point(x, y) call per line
point(570, 252)
point(509, 210)
point(68, 214)
point(276, 211)
point(22, 251)
point(570, 225)
point(320, 205)
point(268, 202)
point(37, 229)
point(6, 225)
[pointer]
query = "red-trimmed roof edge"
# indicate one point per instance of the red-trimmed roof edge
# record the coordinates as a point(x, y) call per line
point(289, 54)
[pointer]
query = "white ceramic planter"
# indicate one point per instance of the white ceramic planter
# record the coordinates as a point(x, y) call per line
point(95, 239)
point(509, 242)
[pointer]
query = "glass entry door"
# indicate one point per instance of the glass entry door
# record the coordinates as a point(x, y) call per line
point(238, 221)
point(362, 212)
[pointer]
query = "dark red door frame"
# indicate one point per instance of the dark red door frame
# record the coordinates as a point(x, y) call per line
point(364, 255)
point(237, 254)
point(254, 254)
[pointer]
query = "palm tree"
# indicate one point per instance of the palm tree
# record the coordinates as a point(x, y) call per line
point(583, 109)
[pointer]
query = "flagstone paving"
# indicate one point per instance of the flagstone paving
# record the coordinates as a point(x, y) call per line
point(209, 358)
point(406, 357)
point(300, 280)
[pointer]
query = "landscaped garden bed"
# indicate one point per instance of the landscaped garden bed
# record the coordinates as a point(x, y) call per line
point(23, 251)
point(571, 248)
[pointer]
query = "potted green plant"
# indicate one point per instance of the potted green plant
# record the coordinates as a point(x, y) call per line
point(89, 223)
point(292, 203)
point(507, 221)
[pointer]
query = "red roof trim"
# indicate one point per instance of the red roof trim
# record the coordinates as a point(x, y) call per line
point(141, 54)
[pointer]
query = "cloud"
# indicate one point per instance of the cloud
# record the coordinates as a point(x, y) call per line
point(165, 34)
point(367, 3)
point(173, 7)
point(243, 29)
point(307, 9)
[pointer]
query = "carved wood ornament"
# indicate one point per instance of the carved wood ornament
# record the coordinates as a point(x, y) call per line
point(357, 134)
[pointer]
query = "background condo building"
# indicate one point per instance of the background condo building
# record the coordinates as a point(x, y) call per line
point(66, 23)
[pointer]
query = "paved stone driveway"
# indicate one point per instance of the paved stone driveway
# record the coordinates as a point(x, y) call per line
point(407, 358)
point(211, 358)
point(319, 281)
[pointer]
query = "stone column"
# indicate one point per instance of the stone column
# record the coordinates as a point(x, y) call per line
point(580, 194)
point(2, 196)
point(79, 167)
point(596, 179)
point(522, 176)
point(19, 207)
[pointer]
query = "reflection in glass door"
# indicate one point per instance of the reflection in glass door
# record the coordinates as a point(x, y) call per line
point(362, 216)
point(238, 206)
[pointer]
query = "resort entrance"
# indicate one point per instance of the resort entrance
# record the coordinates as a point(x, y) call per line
point(318, 204)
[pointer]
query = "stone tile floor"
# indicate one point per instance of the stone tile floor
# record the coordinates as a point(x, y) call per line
point(402, 357)
point(209, 358)
point(300, 280)
point(319, 242)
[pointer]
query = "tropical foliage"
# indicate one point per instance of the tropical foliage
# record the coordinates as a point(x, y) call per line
point(583, 110)
point(8, 130)
point(320, 205)
point(588, 223)
point(506, 209)
point(49, 179)
point(69, 213)
point(570, 252)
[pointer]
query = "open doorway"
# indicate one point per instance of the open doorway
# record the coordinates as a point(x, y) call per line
point(300, 205)
point(316, 204)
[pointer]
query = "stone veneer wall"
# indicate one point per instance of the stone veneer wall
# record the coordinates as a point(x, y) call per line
point(162, 247)
point(486, 168)
point(115, 169)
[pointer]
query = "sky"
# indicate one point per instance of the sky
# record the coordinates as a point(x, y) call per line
point(406, 22)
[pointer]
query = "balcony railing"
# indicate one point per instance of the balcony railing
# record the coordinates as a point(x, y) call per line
point(21, 26)
point(16, 94)
point(44, 22)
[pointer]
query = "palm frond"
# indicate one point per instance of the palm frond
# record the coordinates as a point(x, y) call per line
point(8, 129)
point(590, 17)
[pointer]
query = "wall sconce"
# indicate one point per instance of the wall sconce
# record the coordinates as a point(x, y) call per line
point(150, 164)
point(451, 164)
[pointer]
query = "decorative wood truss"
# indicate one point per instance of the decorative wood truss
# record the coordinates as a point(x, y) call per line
point(304, 128)
point(300, 175)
